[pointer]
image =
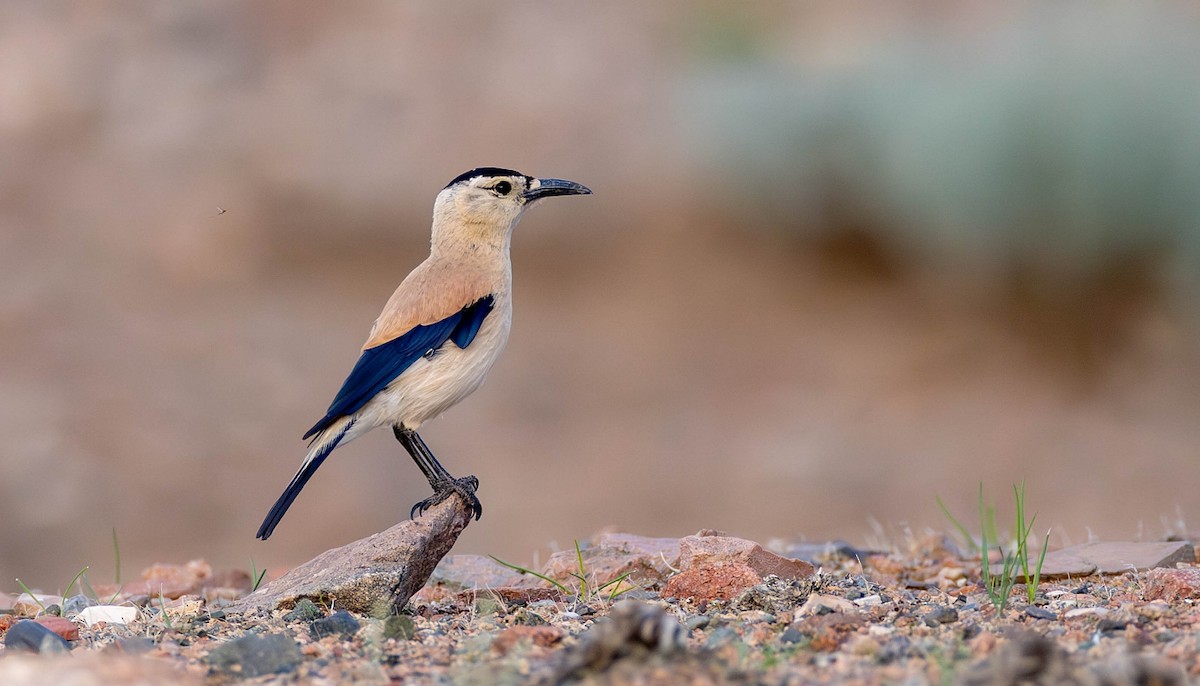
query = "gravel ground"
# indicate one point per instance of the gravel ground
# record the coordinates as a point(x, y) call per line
point(916, 616)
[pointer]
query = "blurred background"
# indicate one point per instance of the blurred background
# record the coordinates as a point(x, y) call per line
point(842, 257)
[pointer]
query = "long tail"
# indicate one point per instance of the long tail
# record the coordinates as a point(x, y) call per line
point(324, 444)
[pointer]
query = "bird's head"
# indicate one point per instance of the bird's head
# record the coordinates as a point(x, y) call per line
point(488, 201)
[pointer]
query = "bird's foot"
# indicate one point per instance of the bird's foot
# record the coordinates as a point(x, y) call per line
point(464, 486)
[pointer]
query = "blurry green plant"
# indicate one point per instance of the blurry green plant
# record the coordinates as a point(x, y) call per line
point(1014, 565)
point(256, 576)
point(1057, 154)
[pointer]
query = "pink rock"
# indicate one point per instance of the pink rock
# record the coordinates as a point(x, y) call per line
point(63, 627)
point(647, 560)
point(708, 548)
point(722, 581)
point(1173, 584)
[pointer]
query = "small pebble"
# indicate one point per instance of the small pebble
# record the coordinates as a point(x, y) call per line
point(527, 617)
point(791, 635)
point(940, 615)
point(339, 623)
point(696, 622)
point(869, 601)
point(30, 636)
point(1040, 613)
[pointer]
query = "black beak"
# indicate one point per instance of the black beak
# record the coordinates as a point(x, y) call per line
point(544, 188)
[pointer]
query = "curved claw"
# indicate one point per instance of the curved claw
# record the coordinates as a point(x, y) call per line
point(465, 487)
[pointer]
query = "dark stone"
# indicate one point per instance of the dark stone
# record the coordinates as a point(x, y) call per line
point(339, 623)
point(940, 615)
point(399, 626)
point(30, 636)
point(526, 617)
point(305, 610)
point(54, 610)
point(251, 656)
point(791, 635)
point(1040, 613)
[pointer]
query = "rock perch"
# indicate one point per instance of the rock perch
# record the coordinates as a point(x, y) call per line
point(375, 575)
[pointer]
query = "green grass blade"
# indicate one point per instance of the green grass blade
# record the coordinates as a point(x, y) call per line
point(67, 593)
point(962, 530)
point(518, 568)
point(32, 595)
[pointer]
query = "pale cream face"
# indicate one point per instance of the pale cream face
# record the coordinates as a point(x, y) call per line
point(491, 200)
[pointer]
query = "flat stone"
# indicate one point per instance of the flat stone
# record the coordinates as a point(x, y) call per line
point(375, 575)
point(1111, 558)
point(254, 655)
point(1173, 584)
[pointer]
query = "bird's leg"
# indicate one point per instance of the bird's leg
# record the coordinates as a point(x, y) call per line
point(440, 480)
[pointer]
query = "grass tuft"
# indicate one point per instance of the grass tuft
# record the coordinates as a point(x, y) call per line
point(1015, 564)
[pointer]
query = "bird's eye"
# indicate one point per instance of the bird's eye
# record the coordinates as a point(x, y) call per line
point(502, 188)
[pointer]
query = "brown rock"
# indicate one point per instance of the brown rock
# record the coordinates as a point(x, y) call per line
point(540, 636)
point(63, 627)
point(720, 581)
point(647, 560)
point(706, 549)
point(1173, 584)
point(374, 575)
point(1111, 558)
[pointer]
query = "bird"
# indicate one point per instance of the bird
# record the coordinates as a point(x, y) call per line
point(438, 335)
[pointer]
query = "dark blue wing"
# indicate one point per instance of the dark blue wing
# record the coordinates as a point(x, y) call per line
point(379, 366)
point(472, 318)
